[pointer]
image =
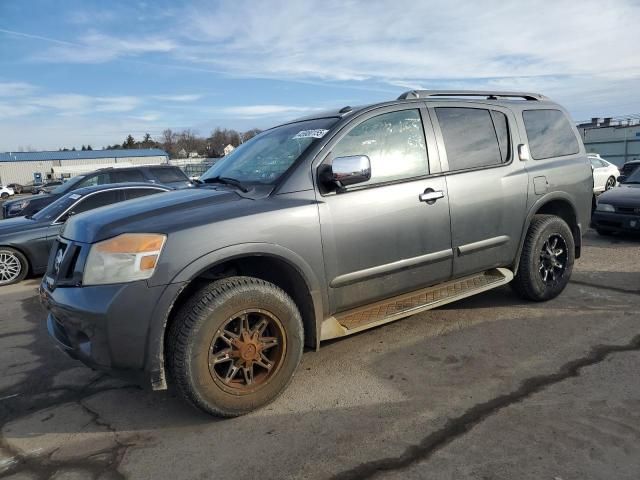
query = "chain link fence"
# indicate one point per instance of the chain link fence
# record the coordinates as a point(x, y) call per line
point(193, 167)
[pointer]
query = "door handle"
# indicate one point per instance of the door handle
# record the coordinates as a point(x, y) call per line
point(430, 196)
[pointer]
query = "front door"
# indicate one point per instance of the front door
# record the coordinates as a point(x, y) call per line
point(380, 238)
point(486, 181)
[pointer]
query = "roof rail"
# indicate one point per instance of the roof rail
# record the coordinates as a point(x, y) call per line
point(489, 94)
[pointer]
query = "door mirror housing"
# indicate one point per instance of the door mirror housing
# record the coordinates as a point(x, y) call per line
point(351, 170)
point(621, 178)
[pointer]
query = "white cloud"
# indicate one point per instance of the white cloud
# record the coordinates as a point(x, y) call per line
point(256, 111)
point(99, 48)
point(15, 89)
point(413, 42)
point(178, 97)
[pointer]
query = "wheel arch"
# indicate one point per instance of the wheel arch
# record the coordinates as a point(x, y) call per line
point(560, 205)
point(269, 262)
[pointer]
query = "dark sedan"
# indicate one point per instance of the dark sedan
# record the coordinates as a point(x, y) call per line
point(618, 209)
point(25, 241)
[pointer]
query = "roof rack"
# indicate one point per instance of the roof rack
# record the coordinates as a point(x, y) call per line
point(489, 94)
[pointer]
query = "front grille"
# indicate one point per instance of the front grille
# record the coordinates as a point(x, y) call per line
point(628, 210)
point(63, 268)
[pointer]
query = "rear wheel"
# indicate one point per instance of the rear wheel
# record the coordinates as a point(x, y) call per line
point(611, 182)
point(13, 266)
point(234, 346)
point(547, 259)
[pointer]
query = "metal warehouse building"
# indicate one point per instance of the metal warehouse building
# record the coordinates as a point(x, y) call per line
point(24, 167)
point(616, 139)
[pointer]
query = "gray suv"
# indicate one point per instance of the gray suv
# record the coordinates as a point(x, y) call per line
point(316, 229)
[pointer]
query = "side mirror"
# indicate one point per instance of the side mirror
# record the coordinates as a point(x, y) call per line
point(621, 179)
point(350, 170)
point(523, 152)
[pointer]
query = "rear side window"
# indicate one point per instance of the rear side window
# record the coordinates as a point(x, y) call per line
point(168, 175)
point(473, 137)
point(129, 176)
point(394, 142)
point(549, 133)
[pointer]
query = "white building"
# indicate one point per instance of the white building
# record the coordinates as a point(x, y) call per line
point(25, 167)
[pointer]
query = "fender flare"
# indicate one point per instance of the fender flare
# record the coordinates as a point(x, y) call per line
point(155, 360)
point(543, 200)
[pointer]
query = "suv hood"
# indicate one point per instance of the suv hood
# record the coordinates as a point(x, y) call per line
point(625, 194)
point(161, 213)
point(36, 202)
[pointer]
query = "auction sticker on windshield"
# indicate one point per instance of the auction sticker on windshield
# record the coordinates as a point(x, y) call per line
point(317, 133)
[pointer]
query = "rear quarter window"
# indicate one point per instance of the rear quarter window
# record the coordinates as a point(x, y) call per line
point(549, 133)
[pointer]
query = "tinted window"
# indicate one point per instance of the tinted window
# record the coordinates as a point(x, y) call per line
point(168, 175)
point(96, 200)
point(470, 137)
point(131, 193)
point(394, 142)
point(502, 131)
point(550, 134)
point(129, 176)
point(97, 179)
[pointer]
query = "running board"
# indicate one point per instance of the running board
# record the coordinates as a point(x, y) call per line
point(395, 308)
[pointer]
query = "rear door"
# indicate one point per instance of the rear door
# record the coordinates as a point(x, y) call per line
point(487, 184)
point(379, 239)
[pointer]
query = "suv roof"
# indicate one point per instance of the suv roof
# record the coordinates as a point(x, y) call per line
point(481, 96)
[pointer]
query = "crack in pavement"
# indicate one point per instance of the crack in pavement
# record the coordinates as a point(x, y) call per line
point(456, 427)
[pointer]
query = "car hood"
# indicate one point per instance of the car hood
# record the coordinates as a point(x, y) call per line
point(625, 194)
point(35, 200)
point(161, 213)
point(18, 225)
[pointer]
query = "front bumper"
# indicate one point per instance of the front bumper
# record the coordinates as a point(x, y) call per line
point(108, 327)
point(615, 222)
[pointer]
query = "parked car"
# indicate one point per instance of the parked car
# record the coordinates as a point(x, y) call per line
point(25, 241)
point(16, 187)
point(605, 174)
point(6, 192)
point(46, 187)
point(317, 229)
point(160, 174)
point(627, 169)
point(618, 210)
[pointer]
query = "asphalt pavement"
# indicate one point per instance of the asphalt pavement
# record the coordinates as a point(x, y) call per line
point(491, 387)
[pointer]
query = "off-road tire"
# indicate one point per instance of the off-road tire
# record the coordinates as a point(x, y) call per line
point(528, 282)
point(201, 318)
point(24, 265)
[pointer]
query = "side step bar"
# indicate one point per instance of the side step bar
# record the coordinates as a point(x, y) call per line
point(395, 308)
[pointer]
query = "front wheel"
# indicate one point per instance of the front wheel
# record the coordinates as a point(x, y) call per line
point(547, 259)
point(234, 346)
point(4, 195)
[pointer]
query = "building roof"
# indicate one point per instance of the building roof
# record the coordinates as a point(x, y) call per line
point(80, 154)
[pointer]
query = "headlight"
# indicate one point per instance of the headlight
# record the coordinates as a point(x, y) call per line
point(125, 258)
point(605, 207)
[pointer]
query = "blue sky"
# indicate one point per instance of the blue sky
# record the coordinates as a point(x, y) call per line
point(90, 72)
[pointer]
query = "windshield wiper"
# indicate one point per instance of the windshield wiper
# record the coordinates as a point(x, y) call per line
point(227, 181)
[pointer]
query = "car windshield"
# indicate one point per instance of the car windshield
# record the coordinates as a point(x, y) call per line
point(264, 158)
point(634, 177)
point(68, 185)
point(55, 209)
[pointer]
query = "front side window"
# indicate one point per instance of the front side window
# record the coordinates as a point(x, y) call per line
point(394, 142)
point(169, 175)
point(96, 200)
point(473, 137)
point(124, 176)
point(99, 179)
point(267, 156)
point(549, 133)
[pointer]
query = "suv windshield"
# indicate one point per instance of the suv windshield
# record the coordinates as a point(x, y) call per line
point(68, 185)
point(264, 158)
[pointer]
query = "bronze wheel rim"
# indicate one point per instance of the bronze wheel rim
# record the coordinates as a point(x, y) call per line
point(247, 351)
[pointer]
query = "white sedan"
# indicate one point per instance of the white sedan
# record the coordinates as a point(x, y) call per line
point(605, 174)
point(5, 192)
